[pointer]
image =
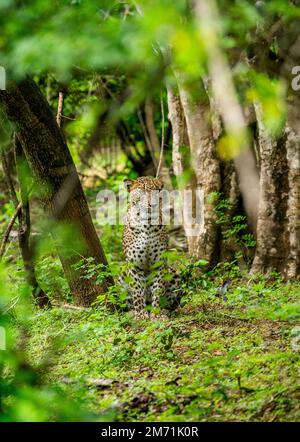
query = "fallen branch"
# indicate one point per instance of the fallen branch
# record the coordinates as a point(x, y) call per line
point(8, 229)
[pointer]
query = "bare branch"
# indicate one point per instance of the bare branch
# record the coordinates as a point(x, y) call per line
point(60, 108)
point(162, 135)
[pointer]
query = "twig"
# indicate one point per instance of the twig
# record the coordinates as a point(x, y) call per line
point(68, 118)
point(8, 229)
point(162, 134)
point(59, 108)
point(71, 307)
point(236, 318)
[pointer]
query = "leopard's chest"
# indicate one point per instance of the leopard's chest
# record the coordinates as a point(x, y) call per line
point(144, 246)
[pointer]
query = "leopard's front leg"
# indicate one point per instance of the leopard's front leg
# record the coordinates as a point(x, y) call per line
point(138, 292)
point(157, 290)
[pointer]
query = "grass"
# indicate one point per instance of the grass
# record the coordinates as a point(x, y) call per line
point(214, 360)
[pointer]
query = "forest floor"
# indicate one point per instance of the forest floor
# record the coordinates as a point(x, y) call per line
point(214, 360)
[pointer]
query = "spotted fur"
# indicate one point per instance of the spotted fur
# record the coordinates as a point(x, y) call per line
point(144, 241)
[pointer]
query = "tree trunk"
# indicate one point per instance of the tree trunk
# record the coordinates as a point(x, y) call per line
point(229, 191)
point(293, 209)
point(206, 168)
point(272, 243)
point(181, 155)
point(62, 195)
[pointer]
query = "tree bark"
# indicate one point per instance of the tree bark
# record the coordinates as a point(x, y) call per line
point(181, 155)
point(272, 243)
point(293, 203)
point(229, 190)
point(201, 169)
point(62, 195)
point(278, 240)
point(206, 167)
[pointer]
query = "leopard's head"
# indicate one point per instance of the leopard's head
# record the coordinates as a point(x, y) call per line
point(144, 201)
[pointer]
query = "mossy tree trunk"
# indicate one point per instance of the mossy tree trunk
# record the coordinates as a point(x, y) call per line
point(61, 192)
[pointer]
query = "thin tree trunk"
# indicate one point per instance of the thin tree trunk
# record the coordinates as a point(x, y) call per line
point(230, 193)
point(9, 229)
point(151, 130)
point(23, 216)
point(26, 248)
point(62, 196)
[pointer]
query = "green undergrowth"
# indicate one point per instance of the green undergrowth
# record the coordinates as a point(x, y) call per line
point(215, 359)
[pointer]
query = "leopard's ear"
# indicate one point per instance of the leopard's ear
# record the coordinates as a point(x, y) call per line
point(127, 184)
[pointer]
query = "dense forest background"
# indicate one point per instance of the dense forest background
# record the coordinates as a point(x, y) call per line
point(204, 94)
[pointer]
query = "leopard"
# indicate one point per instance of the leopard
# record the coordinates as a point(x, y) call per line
point(145, 241)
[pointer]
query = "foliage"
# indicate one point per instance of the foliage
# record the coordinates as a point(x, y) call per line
point(214, 361)
point(134, 38)
point(218, 358)
point(24, 396)
point(235, 230)
point(239, 353)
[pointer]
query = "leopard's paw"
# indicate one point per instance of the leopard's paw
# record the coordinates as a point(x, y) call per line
point(158, 316)
point(141, 315)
